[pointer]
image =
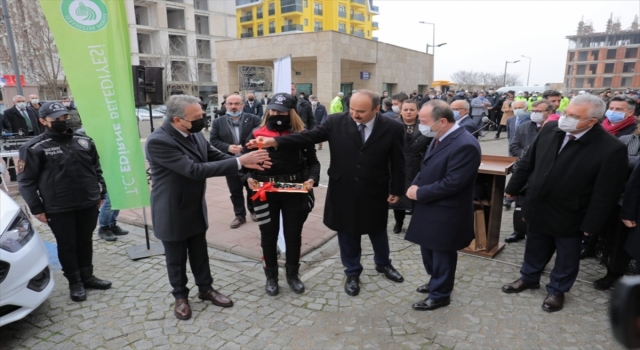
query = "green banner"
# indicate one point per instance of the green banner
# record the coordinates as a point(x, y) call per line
point(92, 37)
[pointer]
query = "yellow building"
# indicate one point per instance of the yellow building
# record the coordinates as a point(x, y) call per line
point(255, 18)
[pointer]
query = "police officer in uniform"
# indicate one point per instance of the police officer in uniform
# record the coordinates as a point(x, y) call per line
point(60, 178)
point(290, 165)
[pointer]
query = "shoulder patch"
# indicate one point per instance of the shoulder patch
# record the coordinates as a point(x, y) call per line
point(20, 166)
point(83, 143)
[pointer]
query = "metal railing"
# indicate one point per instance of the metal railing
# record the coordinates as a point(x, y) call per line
point(342, 14)
point(260, 33)
point(292, 28)
point(317, 12)
point(246, 35)
point(361, 2)
point(357, 17)
point(247, 18)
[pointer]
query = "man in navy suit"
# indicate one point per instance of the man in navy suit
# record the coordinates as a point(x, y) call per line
point(520, 116)
point(442, 220)
point(461, 115)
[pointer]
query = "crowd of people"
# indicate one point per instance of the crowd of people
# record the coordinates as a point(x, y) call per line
point(411, 154)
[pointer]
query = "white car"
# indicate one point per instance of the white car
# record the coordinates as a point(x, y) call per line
point(25, 278)
point(143, 114)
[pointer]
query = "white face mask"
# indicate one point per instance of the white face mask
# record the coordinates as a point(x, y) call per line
point(35, 101)
point(314, 102)
point(426, 130)
point(567, 124)
point(519, 112)
point(21, 105)
point(396, 109)
point(66, 104)
point(537, 117)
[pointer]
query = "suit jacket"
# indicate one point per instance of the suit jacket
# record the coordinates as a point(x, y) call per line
point(255, 110)
point(631, 211)
point(264, 101)
point(179, 173)
point(470, 125)
point(5, 126)
point(223, 135)
point(320, 114)
point(573, 191)
point(523, 137)
point(17, 121)
point(511, 125)
point(442, 217)
point(361, 177)
point(632, 156)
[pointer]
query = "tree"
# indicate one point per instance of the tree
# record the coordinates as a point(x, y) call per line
point(254, 78)
point(483, 80)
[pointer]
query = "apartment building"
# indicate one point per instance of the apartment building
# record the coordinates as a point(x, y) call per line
point(181, 35)
point(599, 60)
point(257, 18)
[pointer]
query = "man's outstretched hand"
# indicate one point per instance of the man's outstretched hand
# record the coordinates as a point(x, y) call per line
point(265, 141)
point(258, 160)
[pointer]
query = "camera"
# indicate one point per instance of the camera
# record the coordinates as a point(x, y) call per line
point(625, 311)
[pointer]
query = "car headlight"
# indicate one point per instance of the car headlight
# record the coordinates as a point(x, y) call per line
point(18, 234)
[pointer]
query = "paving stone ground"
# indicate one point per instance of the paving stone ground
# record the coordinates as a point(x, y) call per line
point(137, 313)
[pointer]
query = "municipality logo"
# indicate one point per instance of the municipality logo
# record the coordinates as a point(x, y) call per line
point(85, 15)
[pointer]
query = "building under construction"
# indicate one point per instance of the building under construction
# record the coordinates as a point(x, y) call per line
point(609, 59)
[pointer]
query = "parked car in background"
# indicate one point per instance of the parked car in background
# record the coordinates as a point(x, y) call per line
point(143, 114)
point(26, 280)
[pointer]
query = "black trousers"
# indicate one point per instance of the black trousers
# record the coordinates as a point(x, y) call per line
point(176, 254)
point(441, 266)
point(237, 197)
point(351, 250)
point(295, 210)
point(74, 236)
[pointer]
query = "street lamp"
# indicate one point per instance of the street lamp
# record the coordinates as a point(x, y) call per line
point(434, 37)
point(529, 71)
point(504, 82)
point(443, 44)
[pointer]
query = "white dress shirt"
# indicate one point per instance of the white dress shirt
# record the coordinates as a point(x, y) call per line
point(187, 135)
point(566, 138)
point(453, 128)
point(369, 128)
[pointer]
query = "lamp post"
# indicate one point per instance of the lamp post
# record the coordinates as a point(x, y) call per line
point(504, 82)
point(428, 45)
point(529, 71)
point(12, 46)
point(433, 66)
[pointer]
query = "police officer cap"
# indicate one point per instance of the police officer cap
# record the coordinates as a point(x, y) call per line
point(52, 110)
point(282, 102)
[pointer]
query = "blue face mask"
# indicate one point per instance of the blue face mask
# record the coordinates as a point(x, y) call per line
point(456, 115)
point(234, 114)
point(460, 93)
point(614, 117)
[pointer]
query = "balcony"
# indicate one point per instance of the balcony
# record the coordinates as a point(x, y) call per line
point(247, 18)
point(342, 14)
point(375, 9)
point(359, 33)
point(375, 38)
point(245, 2)
point(246, 35)
point(317, 12)
point(342, 30)
point(357, 17)
point(375, 26)
point(292, 28)
point(290, 8)
point(358, 2)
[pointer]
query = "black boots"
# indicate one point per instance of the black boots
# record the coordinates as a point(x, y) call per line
point(91, 281)
point(76, 288)
point(398, 227)
point(607, 281)
point(294, 279)
point(272, 280)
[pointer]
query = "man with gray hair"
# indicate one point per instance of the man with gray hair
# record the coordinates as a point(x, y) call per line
point(181, 160)
point(575, 172)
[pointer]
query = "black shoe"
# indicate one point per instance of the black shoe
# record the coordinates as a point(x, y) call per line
point(352, 286)
point(424, 289)
point(272, 281)
point(76, 288)
point(106, 234)
point(118, 231)
point(390, 273)
point(293, 279)
point(514, 237)
point(428, 304)
point(507, 205)
point(397, 228)
point(585, 253)
point(607, 281)
point(497, 136)
point(91, 281)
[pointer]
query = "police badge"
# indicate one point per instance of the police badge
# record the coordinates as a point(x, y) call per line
point(20, 166)
point(84, 143)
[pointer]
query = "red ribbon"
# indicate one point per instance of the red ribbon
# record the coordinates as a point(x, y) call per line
point(262, 192)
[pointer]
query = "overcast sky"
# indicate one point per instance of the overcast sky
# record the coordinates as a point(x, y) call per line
point(482, 35)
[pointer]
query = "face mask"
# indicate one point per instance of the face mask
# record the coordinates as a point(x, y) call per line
point(250, 99)
point(567, 124)
point(537, 117)
point(66, 104)
point(460, 93)
point(396, 109)
point(456, 115)
point(62, 126)
point(279, 122)
point(432, 96)
point(234, 114)
point(519, 112)
point(614, 117)
point(490, 91)
point(35, 101)
point(314, 102)
point(21, 105)
point(196, 126)
point(426, 130)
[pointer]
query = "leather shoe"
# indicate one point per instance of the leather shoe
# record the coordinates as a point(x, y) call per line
point(424, 289)
point(397, 228)
point(352, 286)
point(390, 273)
point(553, 303)
point(514, 237)
point(606, 282)
point(238, 221)
point(519, 286)
point(182, 310)
point(216, 298)
point(429, 304)
point(254, 218)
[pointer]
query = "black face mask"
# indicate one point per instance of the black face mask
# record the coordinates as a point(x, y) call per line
point(250, 99)
point(279, 122)
point(196, 126)
point(63, 126)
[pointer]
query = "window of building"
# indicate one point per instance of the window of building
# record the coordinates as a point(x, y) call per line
point(572, 55)
point(317, 8)
point(259, 12)
point(611, 54)
point(579, 83)
point(631, 53)
point(368, 33)
point(272, 27)
point(260, 30)
point(306, 22)
point(626, 81)
point(342, 28)
point(606, 82)
point(582, 55)
point(201, 5)
point(202, 25)
point(317, 26)
point(342, 11)
point(582, 68)
point(591, 82)
point(306, 3)
point(592, 69)
point(595, 55)
point(629, 67)
point(351, 30)
point(272, 8)
point(203, 48)
point(568, 69)
point(608, 68)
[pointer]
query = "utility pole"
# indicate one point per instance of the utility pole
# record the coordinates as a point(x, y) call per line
point(12, 46)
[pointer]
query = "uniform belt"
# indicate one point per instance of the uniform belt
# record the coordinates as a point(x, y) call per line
point(297, 177)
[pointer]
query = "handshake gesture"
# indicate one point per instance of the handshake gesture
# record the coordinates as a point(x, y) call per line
point(258, 160)
point(261, 142)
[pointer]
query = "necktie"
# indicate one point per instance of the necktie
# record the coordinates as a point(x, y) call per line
point(571, 138)
point(632, 148)
point(361, 127)
point(436, 142)
point(25, 115)
point(193, 141)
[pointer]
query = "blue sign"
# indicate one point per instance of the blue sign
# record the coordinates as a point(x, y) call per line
point(365, 75)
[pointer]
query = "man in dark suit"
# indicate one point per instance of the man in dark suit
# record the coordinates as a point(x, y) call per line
point(303, 108)
point(366, 174)
point(520, 116)
point(319, 112)
point(630, 215)
point(265, 99)
point(442, 220)
point(252, 106)
point(460, 110)
point(181, 160)
point(228, 133)
point(22, 118)
point(576, 172)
